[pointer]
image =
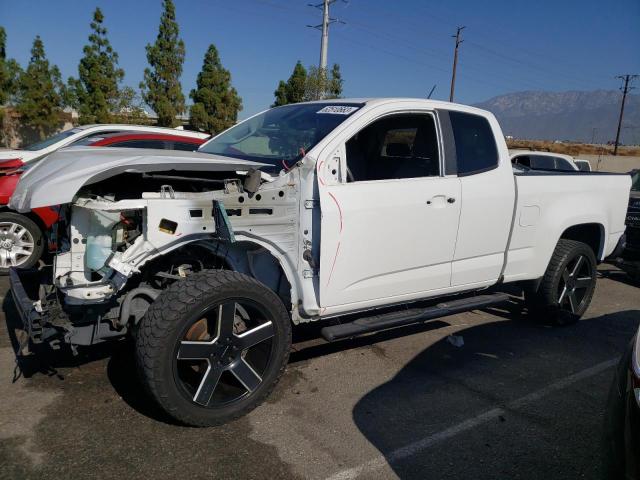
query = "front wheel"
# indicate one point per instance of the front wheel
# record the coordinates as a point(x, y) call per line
point(565, 292)
point(213, 346)
point(21, 242)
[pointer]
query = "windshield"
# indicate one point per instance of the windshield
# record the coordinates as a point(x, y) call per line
point(635, 181)
point(51, 140)
point(280, 136)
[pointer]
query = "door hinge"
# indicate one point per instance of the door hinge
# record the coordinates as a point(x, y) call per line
point(311, 204)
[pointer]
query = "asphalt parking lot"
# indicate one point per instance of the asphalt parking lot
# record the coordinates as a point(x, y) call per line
point(517, 400)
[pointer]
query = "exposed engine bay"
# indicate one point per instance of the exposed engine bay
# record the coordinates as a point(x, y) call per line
point(119, 248)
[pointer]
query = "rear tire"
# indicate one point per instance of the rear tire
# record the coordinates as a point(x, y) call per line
point(567, 287)
point(21, 242)
point(212, 347)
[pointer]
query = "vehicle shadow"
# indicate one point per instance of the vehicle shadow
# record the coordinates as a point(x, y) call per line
point(619, 276)
point(43, 360)
point(427, 420)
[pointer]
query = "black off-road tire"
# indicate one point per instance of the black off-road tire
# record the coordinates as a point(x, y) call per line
point(543, 301)
point(36, 234)
point(163, 325)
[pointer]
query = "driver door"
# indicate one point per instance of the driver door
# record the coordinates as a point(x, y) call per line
point(389, 223)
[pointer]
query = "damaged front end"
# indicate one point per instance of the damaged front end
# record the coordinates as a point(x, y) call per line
point(125, 238)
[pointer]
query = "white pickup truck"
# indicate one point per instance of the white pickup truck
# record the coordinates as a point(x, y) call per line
point(303, 213)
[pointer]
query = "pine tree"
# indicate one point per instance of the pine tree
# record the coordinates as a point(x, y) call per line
point(161, 88)
point(9, 73)
point(215, 102)
point(4, 94)
point(294, 89)
point(280, 94)
point(335, 82)
point(96, 93)
point(39, 93)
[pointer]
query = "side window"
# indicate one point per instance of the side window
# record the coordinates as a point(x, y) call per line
point(476, 149)
point(562, 164)
point(522, 160)
point(184, 146)
point(543, 162)
point(159, 144)
point(397, 146)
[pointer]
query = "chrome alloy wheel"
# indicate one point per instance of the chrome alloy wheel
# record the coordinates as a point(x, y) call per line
point(224, 353)
point(16, 244)
point(577, 278)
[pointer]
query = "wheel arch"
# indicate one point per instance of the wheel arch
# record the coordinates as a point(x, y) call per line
point(30, 215)
point(591, 234)
point(259, 260)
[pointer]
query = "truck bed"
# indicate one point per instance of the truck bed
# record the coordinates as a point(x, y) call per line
point(548, 203)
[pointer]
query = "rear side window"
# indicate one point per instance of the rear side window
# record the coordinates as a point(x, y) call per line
point(562, 164)
point(543, 162)
point(184, 146)
point(476, 149)
point(522, 160)
point(158, 144)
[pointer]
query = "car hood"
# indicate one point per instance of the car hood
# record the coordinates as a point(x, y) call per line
point(58, 178)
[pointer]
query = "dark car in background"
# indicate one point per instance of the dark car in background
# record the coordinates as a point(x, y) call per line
point(622, 419)
point(22, 240)
point(630, 260)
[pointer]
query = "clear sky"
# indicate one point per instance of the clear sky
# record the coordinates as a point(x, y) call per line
point(385, 47)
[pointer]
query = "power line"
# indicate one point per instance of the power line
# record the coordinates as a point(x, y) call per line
point(455, 61)
point(627, 79)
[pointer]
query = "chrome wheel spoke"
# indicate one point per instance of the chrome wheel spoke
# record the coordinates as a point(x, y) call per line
point(562, 295)
point(4, 258)
point(577, 266)
point(23, 244)
point(256, 335)
point(207, 385)
point(573, 301)
point(195, 350)
point(246, 375)
point(226, 318)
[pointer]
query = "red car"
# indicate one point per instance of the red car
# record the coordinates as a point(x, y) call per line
point(22, 236)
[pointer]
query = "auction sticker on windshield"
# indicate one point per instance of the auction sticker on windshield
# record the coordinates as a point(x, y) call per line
point(338, 109)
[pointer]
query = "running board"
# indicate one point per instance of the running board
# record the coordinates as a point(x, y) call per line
point(407, 317)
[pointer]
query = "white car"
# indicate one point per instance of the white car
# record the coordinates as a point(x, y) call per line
point(544, 160)
point(68, 138)
point(303, 213)
point(583, 165)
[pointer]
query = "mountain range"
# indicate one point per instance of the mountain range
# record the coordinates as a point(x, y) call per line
point(571, 116)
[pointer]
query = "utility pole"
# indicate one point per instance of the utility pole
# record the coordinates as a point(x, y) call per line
point(455, 61)
point(324, 28)
point(627, 79)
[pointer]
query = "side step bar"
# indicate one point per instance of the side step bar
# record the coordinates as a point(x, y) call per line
point(407, 317)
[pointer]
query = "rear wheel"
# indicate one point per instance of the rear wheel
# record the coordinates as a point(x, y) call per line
point(213, 346)
point(21, 242)
point(565, 292)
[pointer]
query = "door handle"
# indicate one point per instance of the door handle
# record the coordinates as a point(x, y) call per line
point(451, 200)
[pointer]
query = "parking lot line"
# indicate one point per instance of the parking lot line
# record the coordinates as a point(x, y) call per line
point(413, 448)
